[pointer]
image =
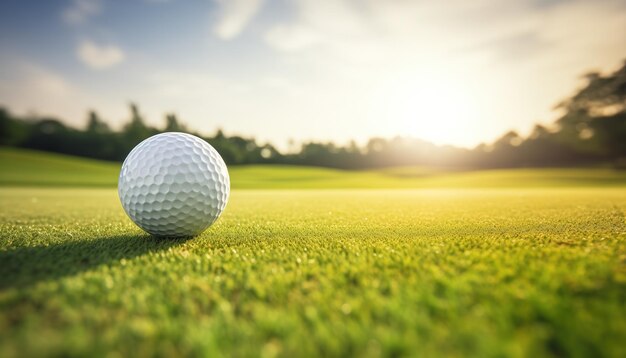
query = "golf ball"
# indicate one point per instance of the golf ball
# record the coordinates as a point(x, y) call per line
point(174, 184)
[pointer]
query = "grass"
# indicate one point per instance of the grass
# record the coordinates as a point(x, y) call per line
point(530, 269)
point(315, 272)
point(32, 168)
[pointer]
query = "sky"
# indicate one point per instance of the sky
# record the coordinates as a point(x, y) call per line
point(451, 72)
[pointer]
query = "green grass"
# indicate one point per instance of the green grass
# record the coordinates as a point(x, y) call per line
point(507, 272)
point(30, 168)
point(486, 264)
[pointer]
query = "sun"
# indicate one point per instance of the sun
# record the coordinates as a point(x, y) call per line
point(436, 108)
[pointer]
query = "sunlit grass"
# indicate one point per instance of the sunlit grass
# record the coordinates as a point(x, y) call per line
point(508, 272)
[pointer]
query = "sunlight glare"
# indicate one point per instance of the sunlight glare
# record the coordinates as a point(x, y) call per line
point(434, 108)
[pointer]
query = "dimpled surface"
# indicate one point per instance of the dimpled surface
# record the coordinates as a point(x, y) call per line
point(174, 184)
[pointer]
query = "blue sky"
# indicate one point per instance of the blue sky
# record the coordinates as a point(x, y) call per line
point(455, 72)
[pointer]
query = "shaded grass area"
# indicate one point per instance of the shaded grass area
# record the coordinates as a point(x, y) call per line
point(516, 272)
point(72, 257)
point(31, 168)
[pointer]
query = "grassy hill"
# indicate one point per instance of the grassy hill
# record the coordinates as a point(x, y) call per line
point(32, 168)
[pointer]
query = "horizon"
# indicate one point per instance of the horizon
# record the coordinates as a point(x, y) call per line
point(308, 70)
point(288, 148)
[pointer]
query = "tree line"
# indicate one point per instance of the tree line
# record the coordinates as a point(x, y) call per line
point(591, 130)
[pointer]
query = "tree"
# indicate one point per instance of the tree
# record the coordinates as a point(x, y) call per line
point(135, 131)
point(12, 131)
point(96, 125)
point(172, 124)
point(595, 117)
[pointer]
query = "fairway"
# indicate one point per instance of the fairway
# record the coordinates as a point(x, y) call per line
point(39, 169)
point(444, 272)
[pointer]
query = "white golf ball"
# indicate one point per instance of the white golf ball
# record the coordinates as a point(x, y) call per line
point(174, 184)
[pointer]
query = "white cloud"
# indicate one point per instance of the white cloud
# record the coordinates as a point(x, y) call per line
point(234, 16)
point(80, 11)
point(352, 29)
point(99, 57)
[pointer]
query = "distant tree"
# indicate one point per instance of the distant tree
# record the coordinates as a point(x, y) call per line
point(595, 117)
point(539, 132)
point(96, 125)
point(12, 131)
point(353, 147)
point(376, 145)
point(269, 153)
point(602, 96)
point(134, 132)
point(591, 130)
point(136, 129)
point(98, 141)
point(509, 139)
point(230, 150)
point(50, 134)
point(172, 124)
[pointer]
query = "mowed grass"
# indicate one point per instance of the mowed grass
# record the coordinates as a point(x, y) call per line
point(485, 273)
point(31, 168)
point(414, 261)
